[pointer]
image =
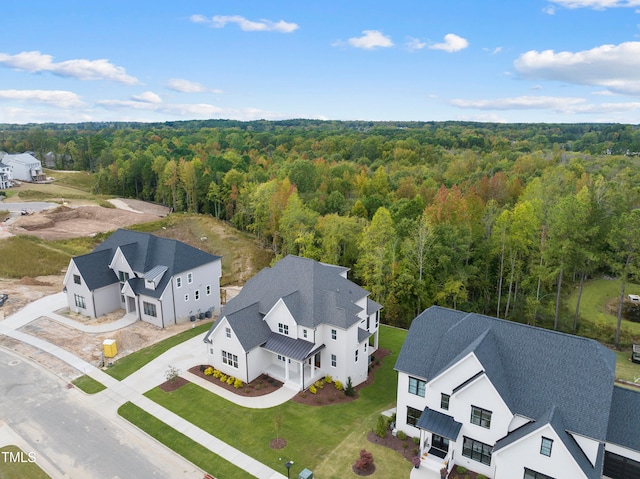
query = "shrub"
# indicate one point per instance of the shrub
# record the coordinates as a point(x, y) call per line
point(381, 426)
point(230, 380)
point(318, 384)
point(223, 378)
point(313, 390)
point(401, 435)
point(364, 462)
point(461, 469)
point(216, 373)
point(349, 391)
point(237, 383)
point(481, 476)
point(328, 379)
point(172, 374)
point(208, 371)
point(416, 440)
point(338, 385)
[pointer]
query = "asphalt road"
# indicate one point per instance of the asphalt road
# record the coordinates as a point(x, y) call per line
point(29, 206)
point(62, 427)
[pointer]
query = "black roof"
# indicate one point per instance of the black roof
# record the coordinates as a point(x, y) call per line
point(533, 369)
point(624, 420)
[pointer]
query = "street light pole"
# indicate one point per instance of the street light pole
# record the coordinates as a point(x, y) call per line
point(288, 466)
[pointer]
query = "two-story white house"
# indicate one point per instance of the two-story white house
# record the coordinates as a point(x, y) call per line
point(6, 176)
point(160, 280)
point(297, 321)
point(513, 401)
point(24, 166)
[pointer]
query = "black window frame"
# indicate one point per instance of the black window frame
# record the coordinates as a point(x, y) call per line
point(76, 279)
point(531, 474)
point(416, 386)
point(230, 359)
point(481, 417)
point(413, 415)
point(444, 401)
point(546, 445)
point(476, 450)
point(149, 309)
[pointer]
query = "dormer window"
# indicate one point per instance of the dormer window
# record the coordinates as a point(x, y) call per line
point(179, 282)
point(189, 278)
point(283, 328)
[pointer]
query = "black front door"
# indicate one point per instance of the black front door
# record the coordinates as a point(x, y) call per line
point(439, 446)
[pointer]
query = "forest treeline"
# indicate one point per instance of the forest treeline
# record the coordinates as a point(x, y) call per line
point(502, 219)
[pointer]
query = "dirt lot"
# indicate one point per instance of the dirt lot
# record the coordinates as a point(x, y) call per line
point(66, 222)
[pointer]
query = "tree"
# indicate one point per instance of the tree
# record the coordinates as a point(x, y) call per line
point(376, 248)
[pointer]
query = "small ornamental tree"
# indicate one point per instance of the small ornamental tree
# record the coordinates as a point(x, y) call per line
point(381, 426)
point(349, 391)
point(364, 464)
point(172, 374)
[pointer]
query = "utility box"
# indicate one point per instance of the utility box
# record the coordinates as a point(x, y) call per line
point(305, 474)
point(109, 348)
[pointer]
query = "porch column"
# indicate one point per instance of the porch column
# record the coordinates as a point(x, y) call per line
point(301, 375)
point(286, 368)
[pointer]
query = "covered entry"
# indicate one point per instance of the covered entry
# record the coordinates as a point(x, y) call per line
point(443, 429)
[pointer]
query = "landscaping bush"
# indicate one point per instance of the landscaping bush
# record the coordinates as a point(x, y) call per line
point(208, 371)
point(238, 383)
point(223, 378)
point(328, 379)
point(461, 469)
point(338, 385)
point(364, 463)
point(349, 390)
point(230, 380)
point(313, 390)
point(217, 373)
point(401, 435)
point(381, 426)
point(319, 384)
point(416, 440)
point(481, 476)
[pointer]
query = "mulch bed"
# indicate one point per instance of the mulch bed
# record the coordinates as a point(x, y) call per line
point(330, 395)
point(258, 387)
point(357, 471)
point(278, 443)
point(406, 447)
point(174, 384)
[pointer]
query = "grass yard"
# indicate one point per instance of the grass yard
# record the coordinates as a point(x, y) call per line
point(625, 369)
point(88, 384)
point(132, 362)
point(183, 445)
point(325, 439)
point(19, 470)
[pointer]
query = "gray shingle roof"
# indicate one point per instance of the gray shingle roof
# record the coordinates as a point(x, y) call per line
point(144, 252)
point(624, 420)
point(315, 293)
point(533, 369)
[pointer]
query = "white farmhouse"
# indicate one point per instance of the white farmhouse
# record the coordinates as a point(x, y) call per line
point(160, 280)
point(25, 167)
point(512, 401)
point(297, 321)
point(6, 176)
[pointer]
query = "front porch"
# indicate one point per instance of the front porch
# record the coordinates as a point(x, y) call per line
point(294, 377)
point(429, 468)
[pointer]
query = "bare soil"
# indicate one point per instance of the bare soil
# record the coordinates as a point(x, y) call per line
point(25, 290)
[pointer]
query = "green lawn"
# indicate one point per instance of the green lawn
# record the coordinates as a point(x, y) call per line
point(132, 362)
point(17, 469)
point(315, 435)
point(183, 445)
point(625, 369)
point(88, 384)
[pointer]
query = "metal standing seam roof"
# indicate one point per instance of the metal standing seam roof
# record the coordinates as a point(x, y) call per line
point(439, 423)
point(297, 349)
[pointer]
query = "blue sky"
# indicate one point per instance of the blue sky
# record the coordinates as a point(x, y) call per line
point(489, 60)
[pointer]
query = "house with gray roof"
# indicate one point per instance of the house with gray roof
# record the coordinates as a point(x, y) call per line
point(297, 321)
point(6, 176)
point(509, 400)
point(159, 280)
point(24, 166)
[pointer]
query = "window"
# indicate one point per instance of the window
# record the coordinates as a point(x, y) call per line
point(123, 277)
point(529, 474)
point(79, 301)
point(444, 401)
point(230, 359)
point(196, 294)
point(416, 386)
point(208, 290)
point(179, 282)
point(304, 333)
point(545, 446)
point(227, 332)
point(76, 279)
point(476, 450)
point(334, 334)
point(413, 415)
point(334, 361)
point(356, 356)
point(149, 309)
point(365, 347)
point(480, 417)
point(189, 278)
point(210, 350)
point(283, 328)
point(281, 358)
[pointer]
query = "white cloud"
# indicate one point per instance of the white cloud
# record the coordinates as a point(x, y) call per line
point(594, 4)
point(414, 44)
point(371, 39)
point(147, 97)
point(57, 98)
point(263, 25)
point(186, 86)
point(35, 62)
point(557, 104)
point(611, 66)
point(452, 43)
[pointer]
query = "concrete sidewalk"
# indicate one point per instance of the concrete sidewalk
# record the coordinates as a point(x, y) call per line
point(183, 356)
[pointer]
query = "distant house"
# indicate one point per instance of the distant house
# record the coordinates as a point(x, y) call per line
point(297, 321)
point(513, 401)
point(160, 280)
point(25, 167)
point(6, 176)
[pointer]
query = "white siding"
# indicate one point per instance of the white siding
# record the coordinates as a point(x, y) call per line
point(623, 451)
point(280, 314)
point(511, 461)
point(231, 345)
point(208, 274)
